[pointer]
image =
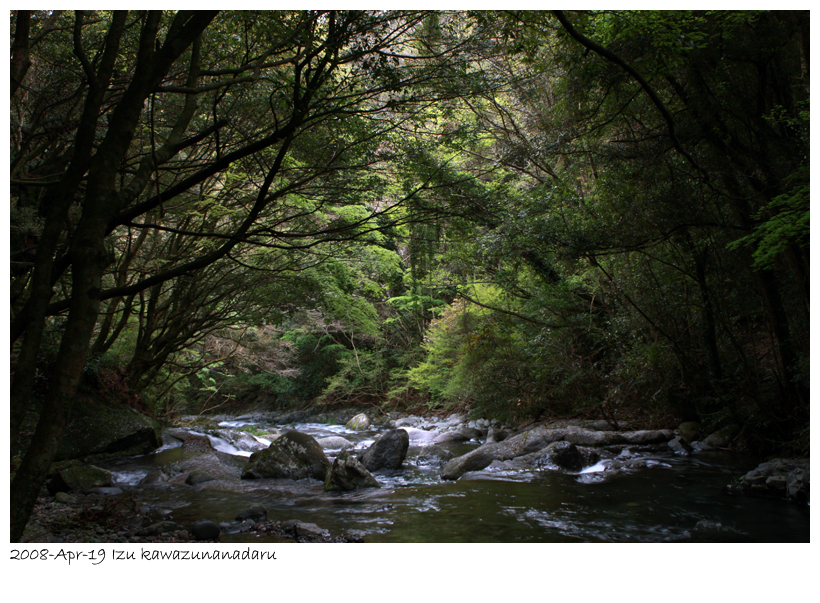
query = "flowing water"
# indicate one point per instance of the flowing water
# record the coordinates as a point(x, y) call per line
point(672, 499)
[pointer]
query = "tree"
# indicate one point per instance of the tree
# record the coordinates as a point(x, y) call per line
point(626, 160)
point(233, 132)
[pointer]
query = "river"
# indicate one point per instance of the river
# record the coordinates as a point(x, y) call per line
point(672, 499)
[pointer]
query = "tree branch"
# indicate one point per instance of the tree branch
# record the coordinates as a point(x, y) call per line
point(614, 58)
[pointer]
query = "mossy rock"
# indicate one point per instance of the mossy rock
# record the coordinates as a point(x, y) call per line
point(86, 477)
point(723, 437)
point(295, 455)
point(99, 427)
point(359, 423)
point(690, 431)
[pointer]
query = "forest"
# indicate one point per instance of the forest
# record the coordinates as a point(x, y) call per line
point(526, 215)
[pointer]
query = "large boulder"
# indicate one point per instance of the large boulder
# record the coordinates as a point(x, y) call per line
point(201, 467)
point(388, 452)
point(540, 437)
point(347, 473)
point(295, 455)
point(565, 455)
point(524, 443)
point(102, 427)
point(585, 437)
point(476, 460)
point(529, 441)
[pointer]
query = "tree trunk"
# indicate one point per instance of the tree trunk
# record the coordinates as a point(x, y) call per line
point(88, 254)
point(89, 260)
point(20, 60)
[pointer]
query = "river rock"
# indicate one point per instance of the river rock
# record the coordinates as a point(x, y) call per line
point(679, 446)
point(197, 443)
point(411, 421)
point(722, 437)
point(360, 422)
point(104, 427)
point(781, 478)
point(587, 437)
point(105, 491)
point(590, 425)
point(455, 419)
point(434, 455)
point(690, 431)
point(496, 434)
point(155, 476)
point(420, 437)
point(295, 416)
point(388, 452)
point(347, 473)
point(256, 513)
point(85, 477)
point(218, 465)
point(302, 529)
point(335, 443)
point(177, 433)
point(476, 460)
point(524, 443)
point(565, 455)
point(161, 527)
point(197, 477)
point(205, 530)
point(538, 438)
point(241, 439)
point(65, 498)
point(465, 434)
point(294, 455)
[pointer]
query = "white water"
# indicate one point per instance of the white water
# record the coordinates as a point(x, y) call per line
point(596, 468)
point(226, 447)
point(264, 441)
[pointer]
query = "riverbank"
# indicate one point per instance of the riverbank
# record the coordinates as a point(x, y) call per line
point(96, 519)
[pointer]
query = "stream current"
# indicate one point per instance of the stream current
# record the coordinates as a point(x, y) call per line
point(672, 499)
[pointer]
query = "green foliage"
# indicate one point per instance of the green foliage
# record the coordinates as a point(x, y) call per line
point(785, 222)
point(508, 222)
